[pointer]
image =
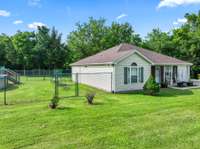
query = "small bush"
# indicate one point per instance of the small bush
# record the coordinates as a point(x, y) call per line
point(54, 103)
point(198, 76)
point(151, 87)
point(90, 97)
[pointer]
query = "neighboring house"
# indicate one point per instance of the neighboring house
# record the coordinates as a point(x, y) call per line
point(126, 67)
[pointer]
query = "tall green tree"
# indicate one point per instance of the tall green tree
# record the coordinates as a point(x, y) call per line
point(187, 40)
point(88, 38)
point(3, 59)
point(121, 33)
point(24, 43)
point(160, 42)
point(57, 52)
point(41, 48)
point(49, 51)
point(7, 51)
point(94, 36)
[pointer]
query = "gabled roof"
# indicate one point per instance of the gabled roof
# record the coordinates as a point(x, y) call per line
point(113, 54)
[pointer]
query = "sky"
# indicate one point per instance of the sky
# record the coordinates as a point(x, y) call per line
point(143, 15)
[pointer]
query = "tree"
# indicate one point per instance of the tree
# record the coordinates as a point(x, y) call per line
point(121, 33)
point(24, 43)
point(93, 36)
point(49, 50)
point(187, 41)
point(7, 51)
point(87, 39)
point(160, 42)
point(57, 52)
point(40, 49)
point(3, 45)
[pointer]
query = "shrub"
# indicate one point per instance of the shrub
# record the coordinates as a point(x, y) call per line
point(54, 103)
point(90, 97)
point(198, 76)
point(151, 87)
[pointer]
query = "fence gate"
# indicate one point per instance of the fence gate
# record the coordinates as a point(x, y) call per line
point(78, 84)
point(64, 86)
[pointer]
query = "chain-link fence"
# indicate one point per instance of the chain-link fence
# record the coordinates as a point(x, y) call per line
point(62, 85)
point(27, 91)
point(78, 84)
point(41, 72)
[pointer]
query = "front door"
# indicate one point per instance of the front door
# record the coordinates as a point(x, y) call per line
point(158, 74)
point(168, 75)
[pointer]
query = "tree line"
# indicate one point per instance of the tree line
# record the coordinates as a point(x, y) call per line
point(44, 48)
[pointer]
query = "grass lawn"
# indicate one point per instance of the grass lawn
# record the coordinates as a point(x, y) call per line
point(171, 120)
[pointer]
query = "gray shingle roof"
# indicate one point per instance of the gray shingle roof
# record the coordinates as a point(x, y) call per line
point(113, 54)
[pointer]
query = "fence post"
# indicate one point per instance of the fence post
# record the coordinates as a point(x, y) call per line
point(76, 85)
point(5, 89)
point(39, 73)
point(111, 77)
point(44, 74)
point(56, 87)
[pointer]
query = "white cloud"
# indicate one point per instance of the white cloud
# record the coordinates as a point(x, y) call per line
point(18, 22)
point(34, 3)
point(174, 3)
point(184, 20)
point(180, 21)
point(175, 23)
point(121, 16)
point(4, 13)
point(35, 25)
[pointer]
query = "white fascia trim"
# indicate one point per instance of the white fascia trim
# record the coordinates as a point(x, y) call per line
point(129, 54)
point(173, 64)
point(93, 64)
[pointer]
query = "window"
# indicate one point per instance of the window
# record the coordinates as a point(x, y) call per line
point(133, 64)
point(133, 74)
point(168, 74)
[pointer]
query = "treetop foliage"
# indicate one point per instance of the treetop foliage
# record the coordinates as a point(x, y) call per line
point(94, 36)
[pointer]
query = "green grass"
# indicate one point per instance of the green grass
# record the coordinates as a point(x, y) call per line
point(171, 120)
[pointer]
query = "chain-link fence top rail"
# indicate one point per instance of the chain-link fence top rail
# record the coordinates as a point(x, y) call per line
point(41, 72)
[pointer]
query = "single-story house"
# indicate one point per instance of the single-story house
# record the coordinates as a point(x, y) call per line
point(127, 67)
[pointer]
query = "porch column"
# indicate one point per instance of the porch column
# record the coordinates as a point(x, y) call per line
point(162, 74)
point(153, 71)
point(174, 73)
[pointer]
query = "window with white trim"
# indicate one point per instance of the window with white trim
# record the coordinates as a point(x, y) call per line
point(133, 74)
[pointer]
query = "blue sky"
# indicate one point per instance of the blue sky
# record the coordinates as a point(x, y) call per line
point(144, 15)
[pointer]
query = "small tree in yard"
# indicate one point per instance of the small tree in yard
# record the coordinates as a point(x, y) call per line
point(54, 103)
point(90, 97)
point(151, 87)
point(55, 99)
